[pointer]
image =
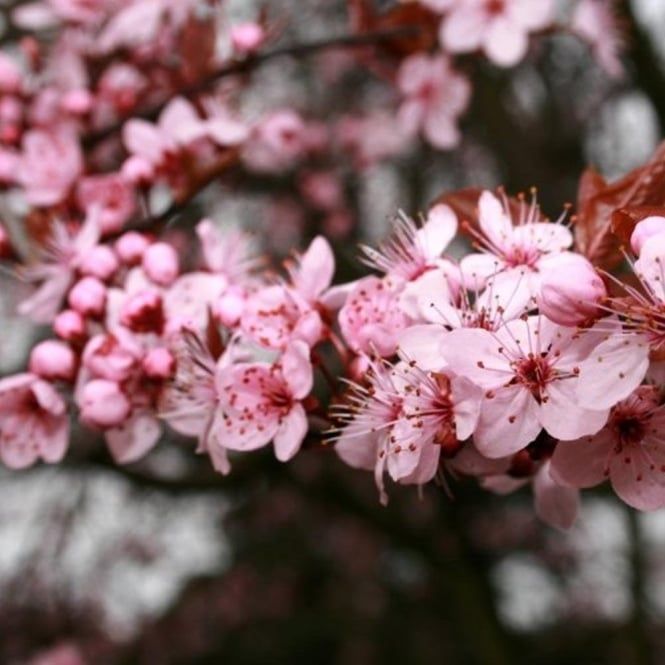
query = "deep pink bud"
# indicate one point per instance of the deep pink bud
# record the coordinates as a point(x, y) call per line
point(100, 262)
point(131, 246)
point(159, 364)
point(247, 37)
point(103, 404)
point(53, 360)
point(88, 297)
point(143, 312)
point(70, 326)
point(570, 290)
point(648, 227)
point(160, 263)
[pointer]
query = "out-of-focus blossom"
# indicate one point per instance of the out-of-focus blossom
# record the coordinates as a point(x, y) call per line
point(435, 96)
point(499, 27)
point(33, 422)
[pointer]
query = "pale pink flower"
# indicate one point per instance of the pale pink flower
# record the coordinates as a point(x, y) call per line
point(372, 138)
point(278, 140)
point(247, 37)
point(368, 415)
point(512, 249)
point(33, 422)
point(189, 401)
point(50, 164)
point(596, 22)
point(115, 357)
point(262, 402)
point(276, 315)
point(499, 27)
point(372, 318)
point(435, 96)
point(58, 260)
point(439, 413)
point(629, 450)
point(112, 195)
point(409, 251)
point(539, 375)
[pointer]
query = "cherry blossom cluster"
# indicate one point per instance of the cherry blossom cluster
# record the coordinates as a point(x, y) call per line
point(513, 364)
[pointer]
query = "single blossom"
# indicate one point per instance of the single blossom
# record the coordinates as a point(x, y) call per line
point(34, 423)
point(435, 95)
point(262, 402)
point(513, 248)
point(539, 375)
point(499, 27)
point(629, 451)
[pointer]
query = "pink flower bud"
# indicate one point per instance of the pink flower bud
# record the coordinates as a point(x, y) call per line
point(53, 360)
point(103, 404)
point(159, 364)
point(143, 312)
point(230, 306)
point(247, 37)
point(648, 227)
point(570, 290)
point(77, 102)
point(100, 262)
point(130, 247)
point(138, 171)
point(160, 263)
point(70, 326)
point(88, 297)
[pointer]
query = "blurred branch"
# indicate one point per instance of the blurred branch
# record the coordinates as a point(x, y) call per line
point(253, 61)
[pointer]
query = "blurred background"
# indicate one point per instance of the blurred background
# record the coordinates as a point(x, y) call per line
point(166, 563)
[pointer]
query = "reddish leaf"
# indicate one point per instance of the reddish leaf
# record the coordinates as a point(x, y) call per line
point(624, 220)
point(643, 187)
point(364, 18)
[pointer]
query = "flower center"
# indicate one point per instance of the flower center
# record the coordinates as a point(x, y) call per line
point(534, 372)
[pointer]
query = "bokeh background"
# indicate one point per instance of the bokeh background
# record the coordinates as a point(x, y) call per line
point(165, 563)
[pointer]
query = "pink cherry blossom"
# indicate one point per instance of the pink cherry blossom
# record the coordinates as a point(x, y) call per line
point(114, 197)
point(261, 402)
point(513, 249)
point(435, 96)
point(50, 164)
point(58, 260)
point(645, 229)
point(103, 404)
point(371, 318)
point(499, 27)
point(629, 450)
point(596, 22)
point(539, 375)
point(33, 422)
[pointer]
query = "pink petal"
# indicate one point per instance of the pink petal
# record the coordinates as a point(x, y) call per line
point(423, 344)
point(478, 268)
point(131, 441)
point(563, 418)
point(297, 369)
point(635, 479)
point(583, 463)
point(291, 433)
point(467, 398)
point(555, 504)
point(357, 447)
point(612, 371)
point(438, 231)
point(463, 30)
point(316, 269)
point(508, 422)
point(505, 43)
